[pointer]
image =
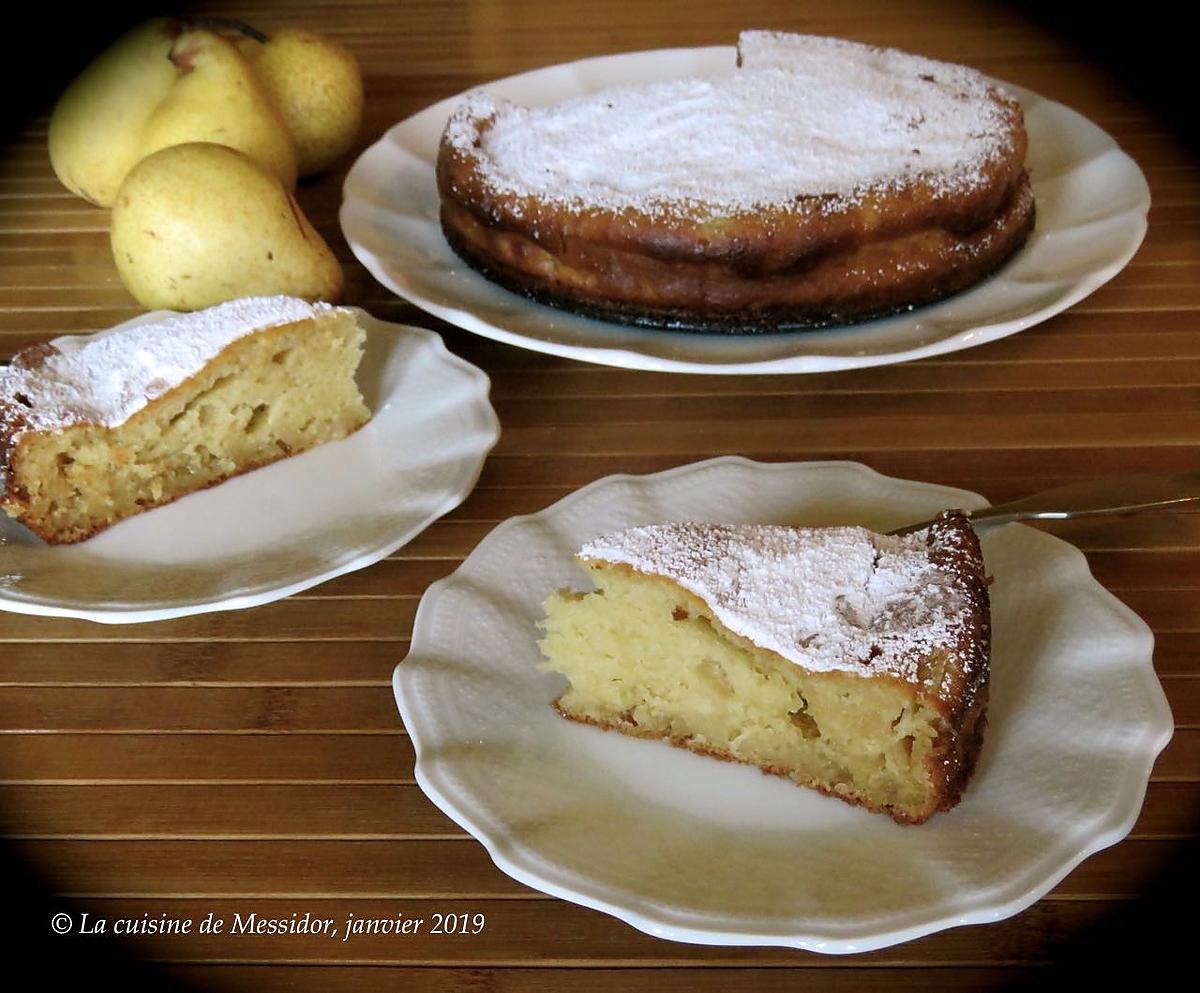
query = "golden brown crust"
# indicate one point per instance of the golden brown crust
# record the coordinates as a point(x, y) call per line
point(819, 261)
point(961, 696)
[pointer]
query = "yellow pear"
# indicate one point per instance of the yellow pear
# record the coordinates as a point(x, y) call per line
point(197, 224)
point(317, 86)
point(216, 97)
point(96, 127)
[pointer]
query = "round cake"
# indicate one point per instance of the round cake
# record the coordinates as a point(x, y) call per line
point(820, 182)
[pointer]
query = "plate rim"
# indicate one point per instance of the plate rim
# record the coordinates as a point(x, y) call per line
point(1113, 826)
point(479, 401)
point(626, 358)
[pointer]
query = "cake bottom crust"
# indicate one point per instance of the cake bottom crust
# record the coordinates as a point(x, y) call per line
point(870, 280)
point(947, 799)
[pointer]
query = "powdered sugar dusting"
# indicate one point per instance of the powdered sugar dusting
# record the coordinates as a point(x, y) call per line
point(804, 117)
point(106, 377)
point(824, 598)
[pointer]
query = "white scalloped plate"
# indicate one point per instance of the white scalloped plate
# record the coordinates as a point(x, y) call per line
point(697, 850)
point(287, 526)
point(1092, 201)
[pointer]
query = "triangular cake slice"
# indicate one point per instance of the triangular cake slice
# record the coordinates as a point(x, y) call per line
point(96, 428)
point(851, 662)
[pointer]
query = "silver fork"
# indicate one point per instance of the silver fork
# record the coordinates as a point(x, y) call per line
point(1114, 495)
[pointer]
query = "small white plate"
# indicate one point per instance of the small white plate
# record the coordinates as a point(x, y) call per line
point(693, 849)
point(1092, 201)
point(290, 525)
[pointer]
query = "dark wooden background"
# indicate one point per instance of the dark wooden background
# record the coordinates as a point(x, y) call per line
point(254, 761)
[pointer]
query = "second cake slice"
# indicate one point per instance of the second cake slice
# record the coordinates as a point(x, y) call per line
point(95, 429)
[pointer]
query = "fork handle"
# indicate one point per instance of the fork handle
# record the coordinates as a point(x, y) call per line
point(1114, 495)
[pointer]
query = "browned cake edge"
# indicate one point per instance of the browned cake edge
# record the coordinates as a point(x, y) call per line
point(925, 267)
point(963, 696)
point(14, 498)
point(960, 697)
point(821, 261)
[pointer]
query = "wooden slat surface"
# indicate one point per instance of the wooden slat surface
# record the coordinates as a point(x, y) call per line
point(253, 762)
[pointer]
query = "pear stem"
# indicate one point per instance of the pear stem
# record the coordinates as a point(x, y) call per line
point(229, 23)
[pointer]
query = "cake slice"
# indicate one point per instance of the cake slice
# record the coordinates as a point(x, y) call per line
point(847, 661)
point(96, 428)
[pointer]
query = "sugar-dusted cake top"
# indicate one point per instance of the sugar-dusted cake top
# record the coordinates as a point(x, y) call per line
point(840, 598)
point(106, 377)
point(804, 116)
